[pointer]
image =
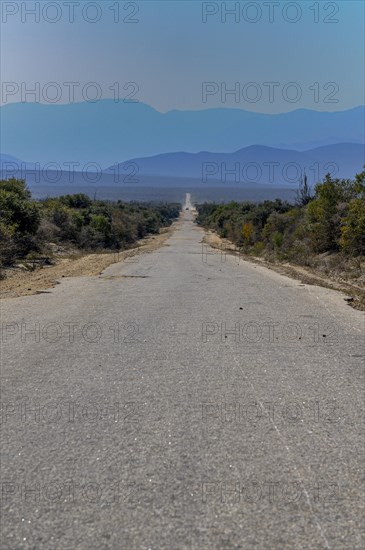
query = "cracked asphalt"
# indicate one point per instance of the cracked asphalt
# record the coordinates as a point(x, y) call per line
point(185, 400)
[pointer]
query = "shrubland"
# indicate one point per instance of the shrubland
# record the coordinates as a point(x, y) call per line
point(28, 227)
point(325, 229)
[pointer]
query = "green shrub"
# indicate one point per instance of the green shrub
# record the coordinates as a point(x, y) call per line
point(258, 248)
point(330, 220)
point(352, 239)
point(27, 225)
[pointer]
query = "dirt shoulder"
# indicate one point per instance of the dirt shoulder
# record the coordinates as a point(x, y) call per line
point(19, 282)
point(355, 293)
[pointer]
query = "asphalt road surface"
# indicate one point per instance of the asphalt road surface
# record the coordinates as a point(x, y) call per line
point(187, 400)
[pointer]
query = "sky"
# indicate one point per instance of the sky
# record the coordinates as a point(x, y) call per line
point(187, 55)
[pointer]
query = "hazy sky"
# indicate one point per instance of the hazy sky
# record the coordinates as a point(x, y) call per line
point(173, 47)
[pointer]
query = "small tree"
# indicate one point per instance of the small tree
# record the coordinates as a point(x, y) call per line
point(304, 193)
point(19, 220)
point(326, 211)
point(352, 239)
point(247, 232)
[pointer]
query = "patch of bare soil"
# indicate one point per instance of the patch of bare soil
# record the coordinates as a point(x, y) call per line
point(306, 275)
point(21, 282)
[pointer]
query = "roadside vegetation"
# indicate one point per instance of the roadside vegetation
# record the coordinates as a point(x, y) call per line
point(324, 230)
point(31, 229)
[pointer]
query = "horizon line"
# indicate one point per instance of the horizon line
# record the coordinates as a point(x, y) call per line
point(219, 108)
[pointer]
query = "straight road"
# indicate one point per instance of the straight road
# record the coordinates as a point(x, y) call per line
point(188, 400)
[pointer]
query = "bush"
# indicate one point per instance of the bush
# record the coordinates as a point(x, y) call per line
point(27, 225)
point(258, 248)
point(19, 220)
point(325, 211)
point(352, 239)
point(330, 220)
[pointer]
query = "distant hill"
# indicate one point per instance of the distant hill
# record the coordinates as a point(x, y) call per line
point(107, 132)
point(9, 163)
point(7, 159)
point(249, 166)
point(254, 164)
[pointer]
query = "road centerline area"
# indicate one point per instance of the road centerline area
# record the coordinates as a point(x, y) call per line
point(184, 401)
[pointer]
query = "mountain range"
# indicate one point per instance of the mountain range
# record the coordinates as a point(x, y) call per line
point(251, 165)
point(107, 132)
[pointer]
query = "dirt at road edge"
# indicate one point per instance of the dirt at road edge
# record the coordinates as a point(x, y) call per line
point(26, 283)
point(356, 295)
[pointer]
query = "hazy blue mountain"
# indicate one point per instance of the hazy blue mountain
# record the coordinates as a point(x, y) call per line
point(7, 159)
point(316, 143)
point(107, 132)
point(10, 165)
point(254, 164)
point(14, 166)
